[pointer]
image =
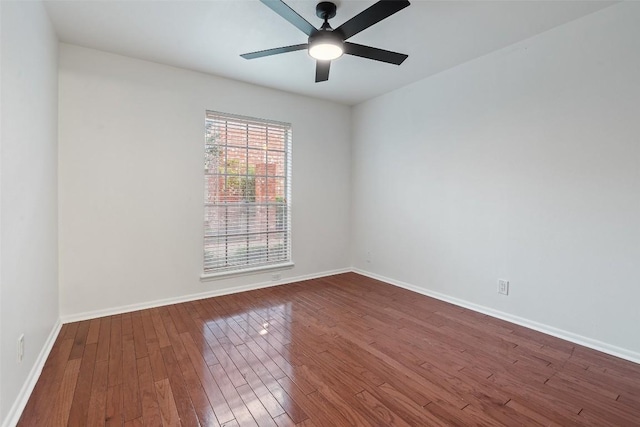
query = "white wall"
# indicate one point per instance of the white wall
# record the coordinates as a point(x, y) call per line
point(524, 165)
point(28, 214)
point(131, 179)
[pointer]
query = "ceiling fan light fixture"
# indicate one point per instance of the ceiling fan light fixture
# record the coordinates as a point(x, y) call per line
point(325, 46)
point(326, 51)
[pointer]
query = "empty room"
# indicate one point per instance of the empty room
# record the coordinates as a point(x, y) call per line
point(315, 214)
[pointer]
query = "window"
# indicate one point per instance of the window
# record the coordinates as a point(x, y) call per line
point(247, 171)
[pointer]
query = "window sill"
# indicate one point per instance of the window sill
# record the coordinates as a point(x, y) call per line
point(248, 271)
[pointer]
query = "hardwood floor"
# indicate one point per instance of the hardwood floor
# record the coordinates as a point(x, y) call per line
point(343, 350)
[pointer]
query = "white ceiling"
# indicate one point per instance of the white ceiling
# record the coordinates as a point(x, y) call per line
point(209, 36)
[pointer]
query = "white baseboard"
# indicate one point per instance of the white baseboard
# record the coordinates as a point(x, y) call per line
point(15, 412)
point(613, 350)
point(192, 297)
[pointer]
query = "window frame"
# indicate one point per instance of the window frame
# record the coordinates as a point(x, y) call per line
point(249, 268)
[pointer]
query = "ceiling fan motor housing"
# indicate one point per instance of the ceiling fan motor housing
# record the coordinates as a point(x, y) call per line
point(326, 10)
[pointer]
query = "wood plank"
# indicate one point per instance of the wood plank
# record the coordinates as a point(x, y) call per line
point(127, 325)
point(130, 389)
point(214, 394)
point(98, 399)
point(80, 407)
point(405, 407)
point(255, 407)
point(158, 325)
point(380, 411)
point(180, 395)
point(114, 414)
point(167, 405)
point(238, 408)
point(283, 420)
point(70, 330)
point(79, 340)
point(150, 408)
point(104, 338)
point(551, 420)
point(139, 339)
point(138, 422)
point(64, 397)
point(115, 352)
point(94, 331)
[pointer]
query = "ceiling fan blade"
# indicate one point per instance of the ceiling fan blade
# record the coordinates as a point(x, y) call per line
point(322, 71)
point(282, 9)
point(368, 17)
point(274, 51)
point(374, 53)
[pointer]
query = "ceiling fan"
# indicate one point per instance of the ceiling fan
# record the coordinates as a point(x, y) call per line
point(326, 43)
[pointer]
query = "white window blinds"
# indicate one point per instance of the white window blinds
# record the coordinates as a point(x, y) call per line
point(247, 172)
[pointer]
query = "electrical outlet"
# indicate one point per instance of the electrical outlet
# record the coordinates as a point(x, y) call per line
point(276, 276)
point(20, 348)
point(368, 257)
point(503, 287)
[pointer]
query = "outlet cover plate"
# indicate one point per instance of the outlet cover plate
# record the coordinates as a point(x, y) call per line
point(20, 348)
point(503, 287)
